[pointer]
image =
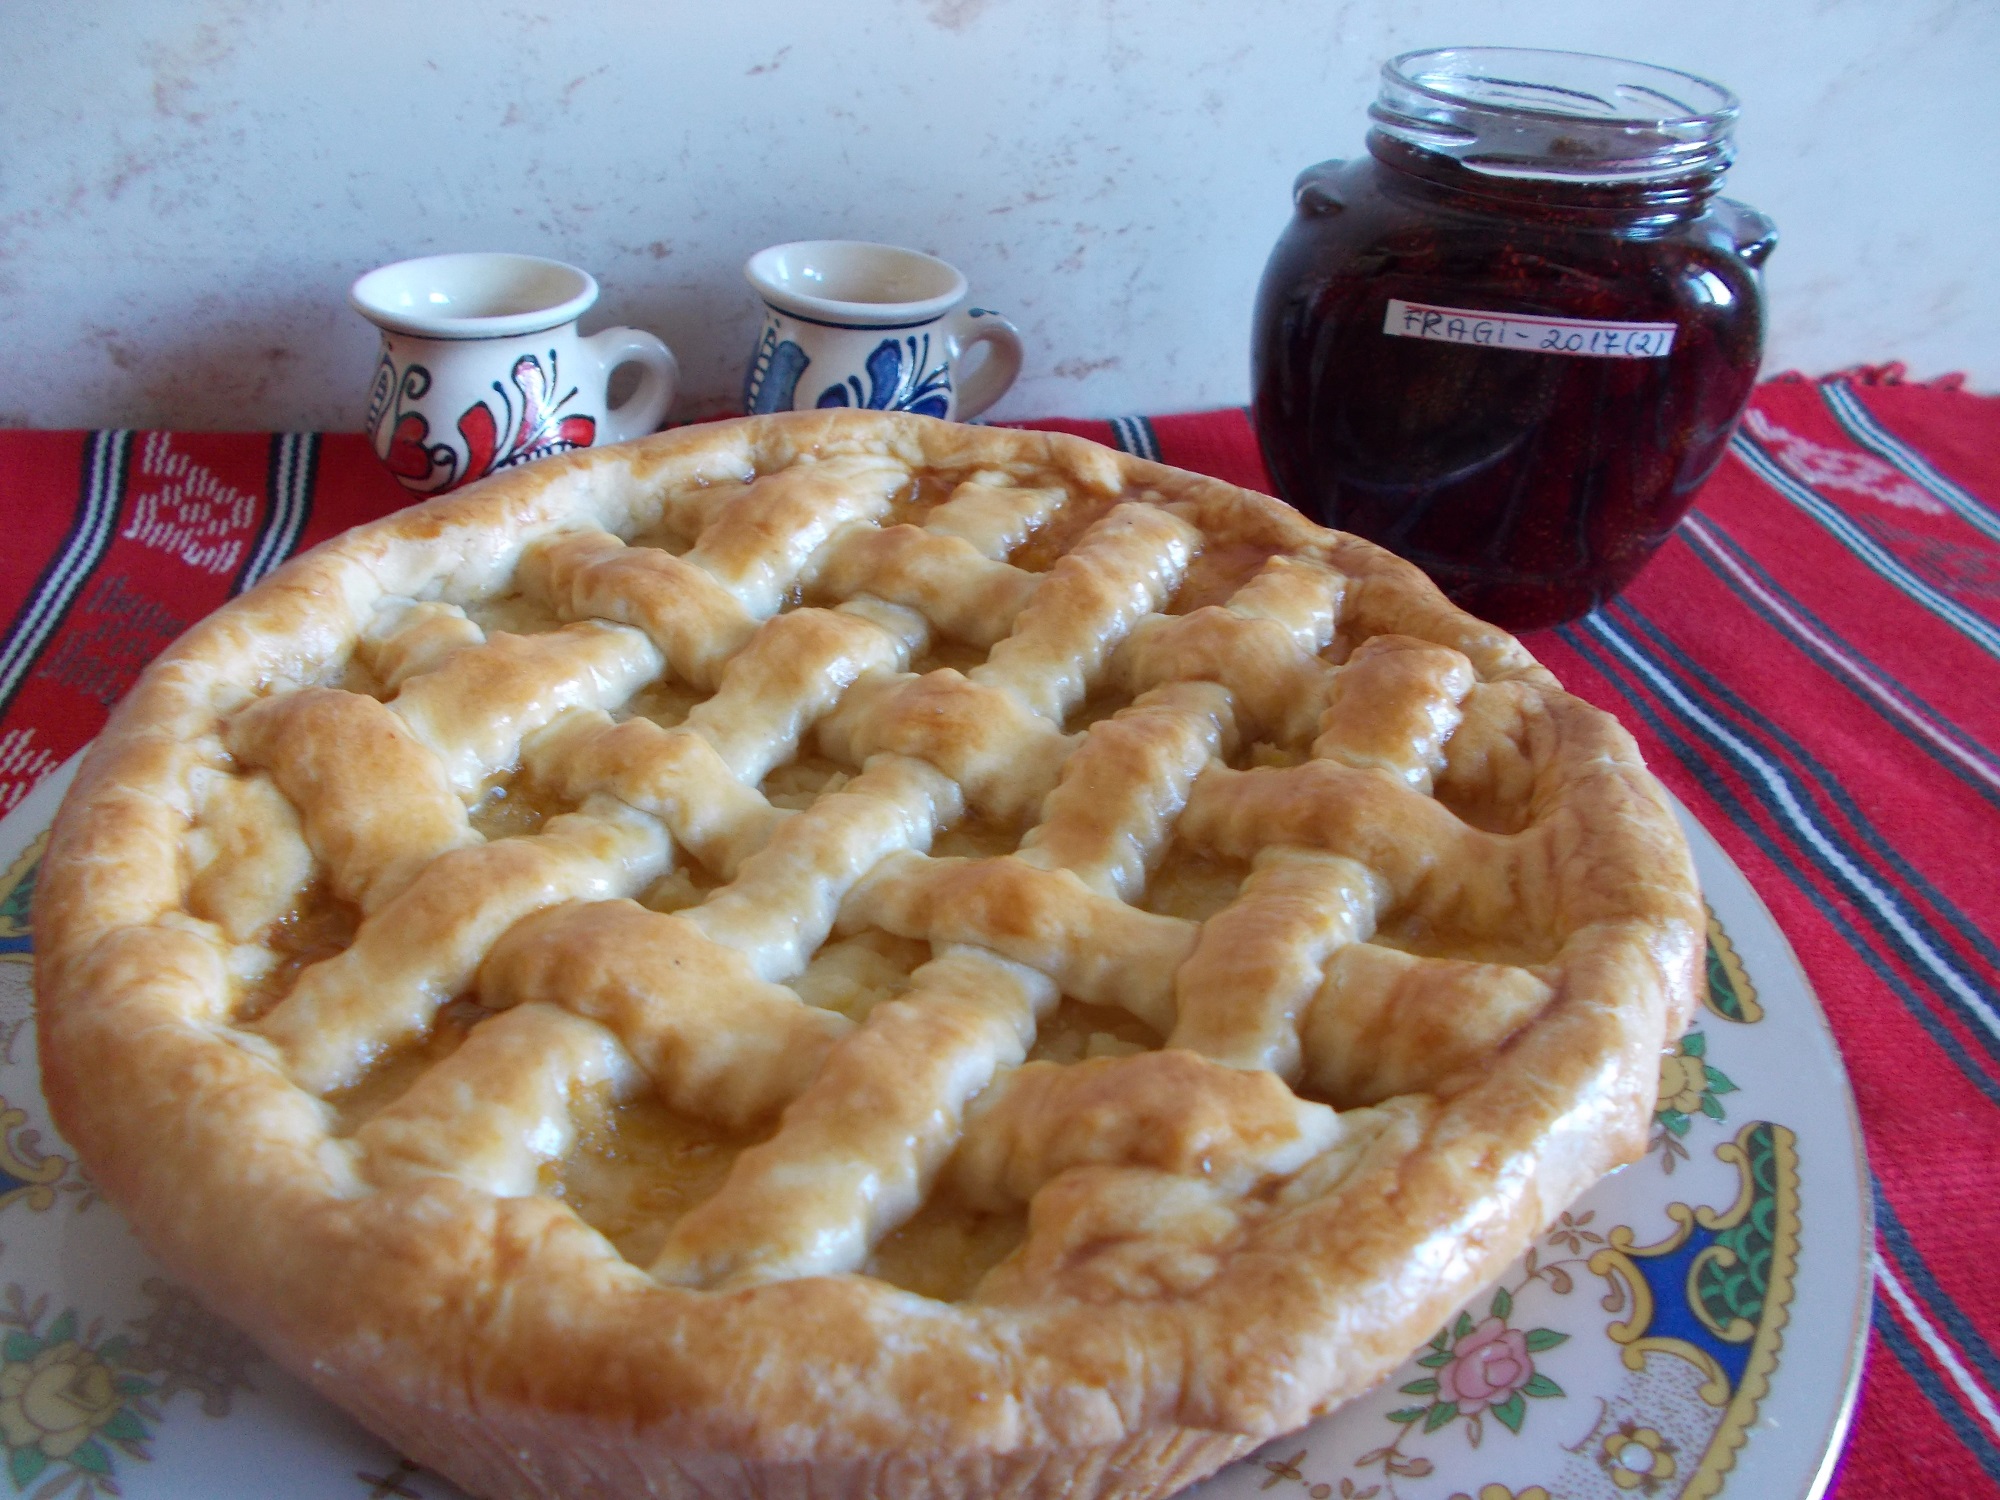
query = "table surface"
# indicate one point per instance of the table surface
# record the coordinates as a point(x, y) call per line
point(1810, 664)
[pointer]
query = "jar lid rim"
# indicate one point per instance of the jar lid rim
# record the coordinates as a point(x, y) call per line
point(1570, 116)
point(1405, 71)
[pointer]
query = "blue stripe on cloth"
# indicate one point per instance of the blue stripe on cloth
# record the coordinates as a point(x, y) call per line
point(1861, 424)
point(1722, 789)
point(1910, 1264)
point(1151, 437)
point(1905, 930)
point(1876, 557)
point(294, 470)
point(1943, 1400)
point(1135, 435)
point(102, 487)
point(1913, 718)
point(1897, 876)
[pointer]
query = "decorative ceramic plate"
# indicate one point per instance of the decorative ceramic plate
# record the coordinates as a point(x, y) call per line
point(1691, 1328)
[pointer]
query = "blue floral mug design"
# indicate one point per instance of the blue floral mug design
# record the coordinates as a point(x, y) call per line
point(848, 323)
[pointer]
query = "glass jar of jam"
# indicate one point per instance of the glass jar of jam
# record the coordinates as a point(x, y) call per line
point(1512, 340)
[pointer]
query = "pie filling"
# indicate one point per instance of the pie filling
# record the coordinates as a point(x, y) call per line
point(637, 1167)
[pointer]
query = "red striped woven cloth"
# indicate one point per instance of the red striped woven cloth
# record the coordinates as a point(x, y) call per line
point(1810, 664)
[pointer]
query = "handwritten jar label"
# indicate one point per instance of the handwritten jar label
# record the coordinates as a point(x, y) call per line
point(1525, 331)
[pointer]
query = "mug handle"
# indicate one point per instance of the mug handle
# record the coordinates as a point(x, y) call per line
point(661, 373)
point(979, 325)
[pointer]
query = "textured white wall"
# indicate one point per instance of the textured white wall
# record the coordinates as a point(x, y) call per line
point(187, 188)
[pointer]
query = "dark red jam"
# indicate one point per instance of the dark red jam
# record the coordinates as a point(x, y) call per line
point(1530, 461)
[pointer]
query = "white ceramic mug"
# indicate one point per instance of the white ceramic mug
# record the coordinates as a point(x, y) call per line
point(482, 367)
point(847, 323)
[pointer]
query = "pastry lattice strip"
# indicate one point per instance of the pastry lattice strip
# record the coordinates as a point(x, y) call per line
point(928, 744)
point(463, 714)
point(858, 1151)
point(382, 821)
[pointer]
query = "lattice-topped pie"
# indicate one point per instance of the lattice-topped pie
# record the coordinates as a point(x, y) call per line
point(842, 954)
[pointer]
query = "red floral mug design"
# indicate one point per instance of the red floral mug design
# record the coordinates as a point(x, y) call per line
point(530, 417)
point(482, 368)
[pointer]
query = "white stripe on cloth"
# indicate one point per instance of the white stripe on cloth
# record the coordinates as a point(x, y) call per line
point(1135, 436)
point(1862, 425)
point(1786, 800)
point(1975, 1394)
point(290, 502)
point(1863, 546)
point(1916, 715)
point(91, 539)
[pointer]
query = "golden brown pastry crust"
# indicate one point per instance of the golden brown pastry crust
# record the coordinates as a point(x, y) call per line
point(504, 1342)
